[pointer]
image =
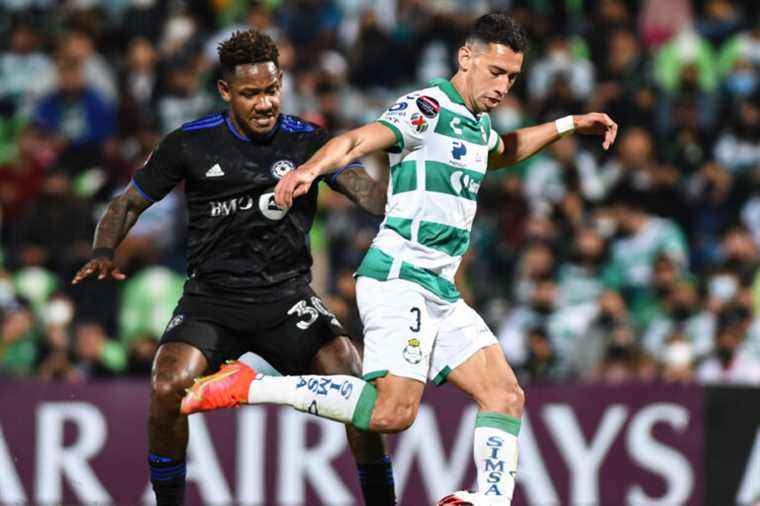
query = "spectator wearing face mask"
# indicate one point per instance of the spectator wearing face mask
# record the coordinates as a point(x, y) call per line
point(729, 364)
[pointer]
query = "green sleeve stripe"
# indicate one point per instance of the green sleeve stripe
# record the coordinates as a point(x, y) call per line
point(363, 412)
point(375, 374)
point(440, 378)
point(396, 132)
point(499, 421)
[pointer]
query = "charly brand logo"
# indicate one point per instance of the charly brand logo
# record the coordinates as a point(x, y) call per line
point(269, 208)
point(462, 183)
point(282, 167)
point(175, 321)
point(412, 351)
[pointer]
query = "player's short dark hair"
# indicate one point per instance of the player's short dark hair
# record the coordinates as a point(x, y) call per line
point(498, 28)
point(247, 47)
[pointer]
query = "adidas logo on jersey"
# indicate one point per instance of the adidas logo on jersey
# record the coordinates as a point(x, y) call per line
point(215, 171)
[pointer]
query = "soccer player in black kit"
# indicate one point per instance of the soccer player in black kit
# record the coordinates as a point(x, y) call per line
point(249, 263)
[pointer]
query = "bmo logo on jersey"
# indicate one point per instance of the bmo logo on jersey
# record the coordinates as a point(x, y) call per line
point(267, 206)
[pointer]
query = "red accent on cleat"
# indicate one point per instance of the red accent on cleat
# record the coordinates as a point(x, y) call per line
point(226, 388)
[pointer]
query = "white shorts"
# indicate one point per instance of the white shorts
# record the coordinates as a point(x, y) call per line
point(412, 333)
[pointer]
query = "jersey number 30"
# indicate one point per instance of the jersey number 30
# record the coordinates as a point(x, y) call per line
point(309, 314)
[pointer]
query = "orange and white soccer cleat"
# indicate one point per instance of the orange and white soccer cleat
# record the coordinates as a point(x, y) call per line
point(226, 388)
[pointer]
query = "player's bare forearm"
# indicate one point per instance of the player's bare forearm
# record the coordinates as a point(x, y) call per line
point(522, 144)
point(112, 228)
point(120, 216)
point(525, 142)
point(350, 146)
point(338, 152)
point(363, 190)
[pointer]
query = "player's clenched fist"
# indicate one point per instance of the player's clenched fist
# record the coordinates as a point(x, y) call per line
point(294, 184)
point(103, 267)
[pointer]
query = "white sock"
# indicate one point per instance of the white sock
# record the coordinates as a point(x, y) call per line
point(495, 454)
point(341, 398)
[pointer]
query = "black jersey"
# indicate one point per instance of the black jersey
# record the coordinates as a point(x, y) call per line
point(239, 242)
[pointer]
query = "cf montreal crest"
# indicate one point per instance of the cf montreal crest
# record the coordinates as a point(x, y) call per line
point(282, 167)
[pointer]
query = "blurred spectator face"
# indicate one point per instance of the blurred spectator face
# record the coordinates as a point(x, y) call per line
point(635, 148)
point(77, 46)
point(739, 248)
point(57, 184)
point(589, 246)
point(538, 261)
point(71, 76)
point(16, 324)
point(90, 341)
point(624, 51)
point(490, 71)
point(182, 80)
point(684, 301)
point(141, 55)
point(544, 296)
point(254, 94)
point(58, 312)
point(23, 40)
point(613, 12)
point(665, 275)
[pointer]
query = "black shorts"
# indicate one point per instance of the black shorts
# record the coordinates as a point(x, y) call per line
point(287, 333)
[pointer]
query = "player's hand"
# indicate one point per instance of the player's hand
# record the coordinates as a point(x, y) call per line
point(294, 184)
point(103, 267)
point(597, 123)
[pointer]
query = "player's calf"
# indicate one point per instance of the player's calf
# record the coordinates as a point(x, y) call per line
point(398, 402)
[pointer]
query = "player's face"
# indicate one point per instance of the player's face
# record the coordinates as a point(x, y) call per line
point(253, 93)
point(491, 70)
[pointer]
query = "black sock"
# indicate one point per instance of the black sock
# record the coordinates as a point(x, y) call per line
point(376, 479)
point(168, 478)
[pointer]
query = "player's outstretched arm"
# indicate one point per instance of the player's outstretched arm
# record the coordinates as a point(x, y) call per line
point(338, 152)
point(523, 143)
point(112, 228)
point(362, 190)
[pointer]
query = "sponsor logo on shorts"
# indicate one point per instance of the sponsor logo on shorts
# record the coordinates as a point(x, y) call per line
point(175, 321)
point(428, 106)
point(398, 106)
point(282, 167)
point(412, 351)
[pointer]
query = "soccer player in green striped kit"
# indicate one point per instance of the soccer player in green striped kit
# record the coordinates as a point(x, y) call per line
point(416, 326)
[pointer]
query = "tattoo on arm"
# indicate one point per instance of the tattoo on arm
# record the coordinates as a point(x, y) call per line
point(121, 214)
point(361, 189)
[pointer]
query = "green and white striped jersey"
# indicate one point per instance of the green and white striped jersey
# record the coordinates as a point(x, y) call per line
point(437, 165)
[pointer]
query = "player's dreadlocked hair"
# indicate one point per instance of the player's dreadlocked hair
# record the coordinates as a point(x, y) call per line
point(250, 46)
point(498, 28)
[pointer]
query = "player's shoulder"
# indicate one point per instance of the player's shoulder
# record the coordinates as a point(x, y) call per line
point(425, 100)
point(293, 124)
point(203, 124)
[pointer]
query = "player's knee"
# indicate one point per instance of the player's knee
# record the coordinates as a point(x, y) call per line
point(338, 357)
point(505, 397)
point(167, 390)
point(394, 418)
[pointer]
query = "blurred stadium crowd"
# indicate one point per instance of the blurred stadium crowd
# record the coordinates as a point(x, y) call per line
point(636, 264)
